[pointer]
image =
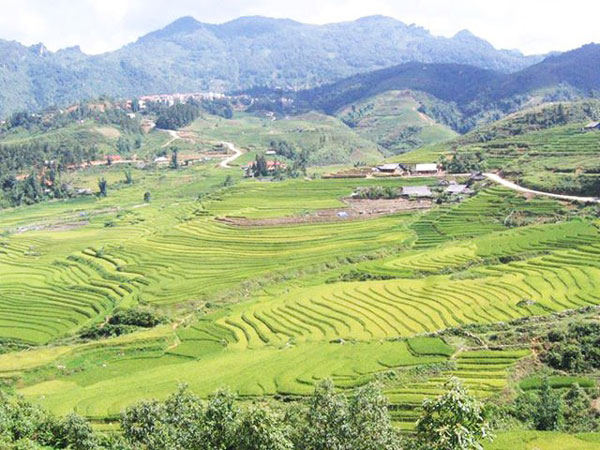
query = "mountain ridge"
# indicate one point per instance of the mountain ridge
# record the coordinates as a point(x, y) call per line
point(188, 55)
point(481, 95)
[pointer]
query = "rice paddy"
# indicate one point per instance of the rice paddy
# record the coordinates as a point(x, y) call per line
point(266, 314)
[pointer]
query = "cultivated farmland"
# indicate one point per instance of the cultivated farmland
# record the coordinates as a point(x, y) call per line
point(268, 311)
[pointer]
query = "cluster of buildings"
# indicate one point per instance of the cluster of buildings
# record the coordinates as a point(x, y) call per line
point(272, 167)
point(398, 169)
point(171, 99)
point(450, 188)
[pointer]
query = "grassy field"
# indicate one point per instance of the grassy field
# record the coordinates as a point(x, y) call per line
point(539, 440)
point(327, 139)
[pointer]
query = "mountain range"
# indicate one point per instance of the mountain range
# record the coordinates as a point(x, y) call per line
point(467, 95)
point(188, 55)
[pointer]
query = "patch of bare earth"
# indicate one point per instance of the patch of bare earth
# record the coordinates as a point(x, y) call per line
point(108, 132)
point(357, 209)
point(53, 227)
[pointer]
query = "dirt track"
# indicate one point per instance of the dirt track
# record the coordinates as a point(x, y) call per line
point(515, 187)
point(225, 163)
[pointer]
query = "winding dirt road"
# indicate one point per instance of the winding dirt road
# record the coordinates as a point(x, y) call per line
point(237, 153)
point(515, 187)
point(174, 137)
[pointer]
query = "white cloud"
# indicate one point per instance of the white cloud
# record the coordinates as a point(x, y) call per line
point(102, 25)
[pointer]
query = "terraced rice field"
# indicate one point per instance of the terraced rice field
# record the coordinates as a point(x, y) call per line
point(288, 370)
point(286, 322)
point(56, 281)
point(479, 215)
point(484, 373)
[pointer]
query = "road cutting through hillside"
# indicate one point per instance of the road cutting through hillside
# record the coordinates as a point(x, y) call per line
point(237, 153)
point(515, 187)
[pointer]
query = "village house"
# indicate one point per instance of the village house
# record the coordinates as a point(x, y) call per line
point(427, 169)
point(390, 169)
point(592, 126)
point(457, 189)
point(416, 191)
point(272, 166)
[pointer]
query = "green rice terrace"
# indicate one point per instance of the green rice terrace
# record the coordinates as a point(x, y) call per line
point(269, 286)
point(272, 305)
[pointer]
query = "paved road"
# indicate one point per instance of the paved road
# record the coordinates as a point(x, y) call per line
point(237, 153)
point(515, 187)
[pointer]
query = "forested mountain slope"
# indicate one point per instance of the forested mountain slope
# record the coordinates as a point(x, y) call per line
point(468, 95)
point(188, 55)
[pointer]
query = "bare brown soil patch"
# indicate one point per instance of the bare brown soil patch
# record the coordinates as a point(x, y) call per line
point(357, 209)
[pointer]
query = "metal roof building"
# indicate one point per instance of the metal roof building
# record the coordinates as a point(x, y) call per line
point(426, 168)
point(416, 191)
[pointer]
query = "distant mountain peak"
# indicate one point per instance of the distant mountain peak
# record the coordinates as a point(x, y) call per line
point(39, 49)
point(377, 18)
point(186, 24)
point(187, 55)
point(465, 34)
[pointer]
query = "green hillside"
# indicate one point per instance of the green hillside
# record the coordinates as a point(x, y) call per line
point(327, 139)
point(545, 148)
point(395, 122)
point(191, 273)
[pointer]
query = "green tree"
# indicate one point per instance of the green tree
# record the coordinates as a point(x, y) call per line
point(333, 422)
point(103, 186)
point(220, 420)
point(260, 166)
point(261, 429)
point(370, 424)
point(144, 423)
point(577, 417)
point(327, 421)
point(123, 145)
point(229, 181)
point(174, 158)
point(135, 105)
point(453, 421)
point(128, 177)
point(549, 412)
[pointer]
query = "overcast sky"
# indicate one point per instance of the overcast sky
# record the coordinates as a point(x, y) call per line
point(532, 26)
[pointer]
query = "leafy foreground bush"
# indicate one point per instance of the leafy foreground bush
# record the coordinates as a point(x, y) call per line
point(330, 421)
point(454, 421)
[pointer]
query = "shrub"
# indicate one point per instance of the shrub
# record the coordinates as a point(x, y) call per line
point(453, 421)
